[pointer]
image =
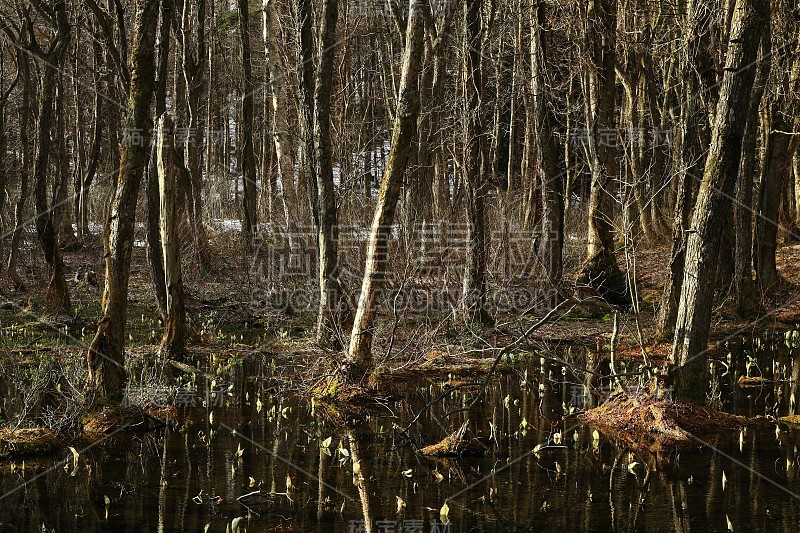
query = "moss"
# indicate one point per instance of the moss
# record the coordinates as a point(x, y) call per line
point(29, 442)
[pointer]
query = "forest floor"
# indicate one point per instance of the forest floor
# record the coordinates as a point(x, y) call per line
point(222, 312)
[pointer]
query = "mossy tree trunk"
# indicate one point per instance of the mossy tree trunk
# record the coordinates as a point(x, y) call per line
point(106, 361)
point(713, 202)
point(403, 133)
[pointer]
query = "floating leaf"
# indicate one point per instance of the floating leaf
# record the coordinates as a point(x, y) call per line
point(327, 442)
point(724, 480)
point(557, 437)
point(252, 482)
point(401, 504)
point(288, 483)
point(730, 524)
point(444, 513)
point(407, 473)
point(211, 417)
point(632, 466)
point(438, 476)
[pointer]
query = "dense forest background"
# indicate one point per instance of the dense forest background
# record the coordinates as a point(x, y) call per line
point(498, 157)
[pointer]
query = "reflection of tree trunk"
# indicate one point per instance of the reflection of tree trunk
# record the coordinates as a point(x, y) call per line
point(246, 151)
point(404, 131)
point(105, 357)
point(174, 340)
point(57, 290)
point(713, 203)
point(360, 477)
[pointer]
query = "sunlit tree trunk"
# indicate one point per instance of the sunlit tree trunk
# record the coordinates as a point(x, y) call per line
point(174, 340)
point(106, 361)
point(713, 201)
point(403, 132)
point(280, 132)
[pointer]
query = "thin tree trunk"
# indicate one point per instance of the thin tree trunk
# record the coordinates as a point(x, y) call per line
point(404, 131)
point(552, 181)
point(246, 151)
point(25, 148)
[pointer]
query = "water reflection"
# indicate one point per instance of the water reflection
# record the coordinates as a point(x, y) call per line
point(191, 474)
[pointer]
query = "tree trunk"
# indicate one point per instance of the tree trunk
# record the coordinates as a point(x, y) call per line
point(552, 182)
point(600, 270)
point(746, 300)
point(174, 340)
point(332, 314)
point(246, 151)
point(57, 290)
point(25, 148)
point(473, 291)
point(194, 57)
point(280, 132)
point(713, 202)
point(404, 130)
point(107, 374)
point(155, 257)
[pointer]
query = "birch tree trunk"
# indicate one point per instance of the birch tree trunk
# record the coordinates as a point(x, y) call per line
point(174, 340)
point(106, 361)
point(280, 132)
point(359, 355)
point(713, 202)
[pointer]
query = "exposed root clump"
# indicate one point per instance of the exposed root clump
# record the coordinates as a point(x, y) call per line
point(650, 423)
point(110, 420)
point(459, 443)
point(29, 442)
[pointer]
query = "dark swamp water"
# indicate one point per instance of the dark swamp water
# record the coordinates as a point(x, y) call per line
point(297, 465)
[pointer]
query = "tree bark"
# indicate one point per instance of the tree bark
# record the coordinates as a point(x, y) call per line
point(403, 133)
point(246, 151)
point(333, 313)
point(552, 181)
point(174, 341)
point(107, 374)
point(600, 270)
point(713, 201)
point(57, 290)
point(472, 306)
